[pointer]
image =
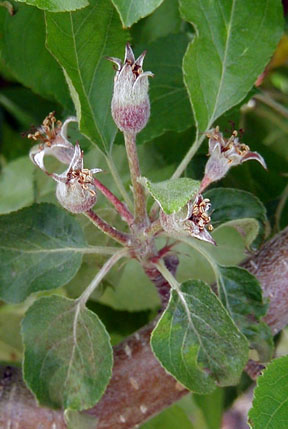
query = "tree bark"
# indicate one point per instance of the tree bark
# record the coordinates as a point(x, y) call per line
point(140, 387)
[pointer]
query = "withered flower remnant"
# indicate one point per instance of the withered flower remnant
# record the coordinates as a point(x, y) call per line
point(224, 154)
point(192, 220)
point(130, 102)
point(52, 138)
point(76, 190)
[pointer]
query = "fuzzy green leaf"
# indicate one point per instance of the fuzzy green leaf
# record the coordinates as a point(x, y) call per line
point(131, 11)
point(76, 420)
point(80, 41)
point(196, 341)
point(129, 289)
point(211, 406)
point(163, 21)
point(234, 41)
point(10, 339)
point(170, 418)
point(25, 54)
point(57, 6)
point(269, 408)
point(22, 194)
point(68, 355)
point(40, 250)
point(172, 195)
point(240, 209)
point(241, 294)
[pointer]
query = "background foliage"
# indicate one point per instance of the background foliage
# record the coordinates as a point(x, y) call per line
point(206, 56)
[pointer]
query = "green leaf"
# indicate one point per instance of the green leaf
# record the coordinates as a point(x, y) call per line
point(230, 249)
point(58, 6)
point(234, 41)
point(120, 324)
point(76, 420)
point(197, 342)
point(10, 339)
point(131, 11)
point(164, 20)
point(193, 264)
point(68, 356)
point(260, 338)
point(212, 407)
point(25, 54)
point(41, 248)
point(12, 146)
point(170, 107)
point(130, 289)
point(239, 209)
point(80, 41)
point(172, 195)
point(241, 294)
point(22, 194)
point(269, 408)
point(26, 107)
point(171, 418)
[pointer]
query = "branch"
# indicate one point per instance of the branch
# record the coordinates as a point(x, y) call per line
point(140, 387)
point(270, 266)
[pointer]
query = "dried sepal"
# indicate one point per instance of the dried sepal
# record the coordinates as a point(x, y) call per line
point(52, 138)
point(192, 220)
point(224, 154)
point(130, 103)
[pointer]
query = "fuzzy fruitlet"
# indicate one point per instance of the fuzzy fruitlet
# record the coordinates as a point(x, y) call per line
point(192, 220)
point(130, 103)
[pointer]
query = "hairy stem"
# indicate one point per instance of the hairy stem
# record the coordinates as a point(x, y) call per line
point(189, 155)
point(119, 236)
point(119, 206)
point(100, 275)
point(266, 99)
point(154, 228)
point(168, 276)
point(140, 212)
point(170, 262)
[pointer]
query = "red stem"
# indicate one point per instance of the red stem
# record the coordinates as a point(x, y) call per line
point(119, 206)
point(114, 233)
